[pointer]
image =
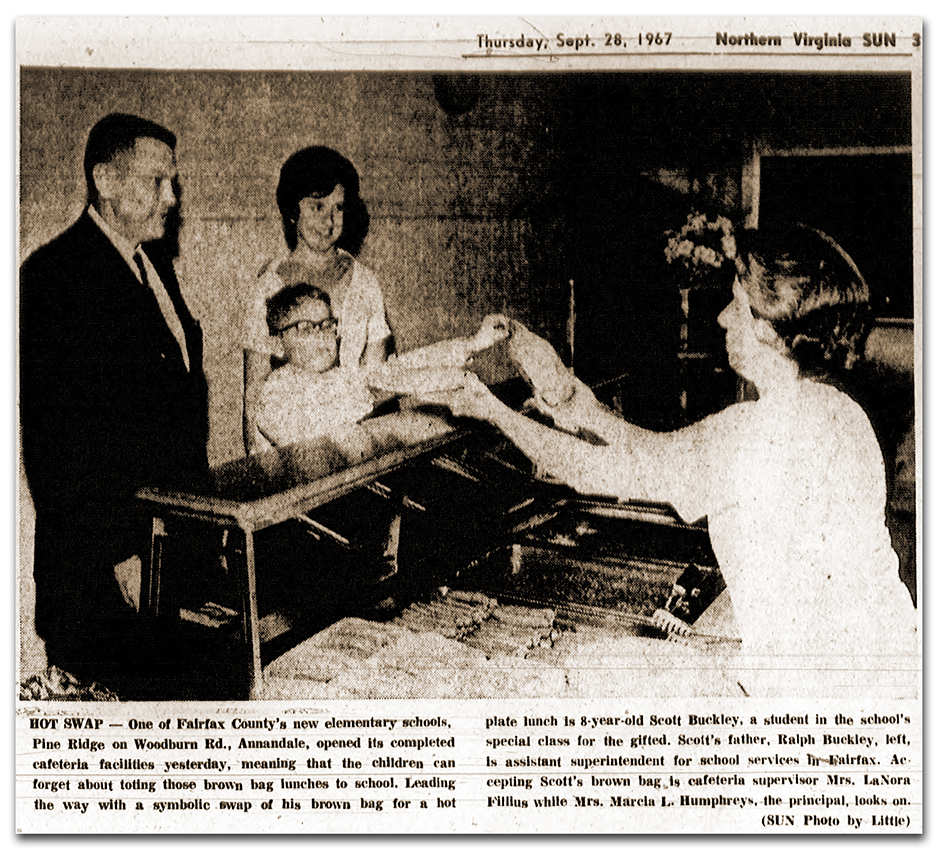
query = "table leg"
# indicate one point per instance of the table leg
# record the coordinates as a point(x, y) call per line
point(250, 628)
point(150, 574)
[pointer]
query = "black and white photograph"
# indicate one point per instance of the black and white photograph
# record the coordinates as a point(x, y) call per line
point(549, 367)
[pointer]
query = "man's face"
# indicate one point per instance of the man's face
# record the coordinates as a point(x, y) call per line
point(309, 336)
point(139, 194)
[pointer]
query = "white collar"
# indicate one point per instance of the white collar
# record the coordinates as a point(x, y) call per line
point(126, 248)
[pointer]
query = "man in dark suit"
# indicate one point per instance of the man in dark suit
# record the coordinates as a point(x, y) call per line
point(112, 394)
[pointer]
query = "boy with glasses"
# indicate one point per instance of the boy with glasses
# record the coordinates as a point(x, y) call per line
point(311, 396)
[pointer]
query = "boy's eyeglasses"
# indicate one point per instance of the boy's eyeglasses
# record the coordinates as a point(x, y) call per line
point(306, 327)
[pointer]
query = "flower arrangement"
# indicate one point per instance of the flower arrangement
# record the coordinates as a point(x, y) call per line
point(702, 244)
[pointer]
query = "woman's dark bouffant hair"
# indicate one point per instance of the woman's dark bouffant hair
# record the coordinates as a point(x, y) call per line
point(811, 293)
point(315, 172)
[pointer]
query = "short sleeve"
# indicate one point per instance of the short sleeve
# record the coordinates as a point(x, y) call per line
point(274, 408)
point(362, 319)
point(378, 328)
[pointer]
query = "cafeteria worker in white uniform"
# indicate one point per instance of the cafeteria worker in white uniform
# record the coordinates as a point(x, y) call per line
point(792, 485)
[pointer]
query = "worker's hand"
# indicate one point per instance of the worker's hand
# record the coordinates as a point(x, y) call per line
point(494, 328)
point(473, 399)
point(540, 365)
point(128, 574)
point(574, 413)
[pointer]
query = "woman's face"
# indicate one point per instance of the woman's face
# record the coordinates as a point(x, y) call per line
point(742, 342)
point(319, 225)
point(309, 338)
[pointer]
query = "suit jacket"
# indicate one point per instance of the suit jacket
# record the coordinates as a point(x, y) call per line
point(106, 406)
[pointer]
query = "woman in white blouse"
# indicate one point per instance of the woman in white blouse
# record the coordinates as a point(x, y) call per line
point(322, 215)
point(792, 485)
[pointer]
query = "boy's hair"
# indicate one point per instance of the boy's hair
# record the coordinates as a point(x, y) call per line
point(281, 303)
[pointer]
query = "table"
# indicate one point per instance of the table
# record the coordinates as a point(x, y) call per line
point(242, 497)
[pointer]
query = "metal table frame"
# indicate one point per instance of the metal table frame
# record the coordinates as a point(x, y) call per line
point(240, 519)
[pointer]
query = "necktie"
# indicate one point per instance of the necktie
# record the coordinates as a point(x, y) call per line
point(165, 304)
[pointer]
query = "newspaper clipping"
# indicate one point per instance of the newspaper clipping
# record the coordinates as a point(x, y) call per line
point(453, 425)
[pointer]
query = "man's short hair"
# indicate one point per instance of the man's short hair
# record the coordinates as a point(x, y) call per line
point(115, 134)
point(281, 303)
